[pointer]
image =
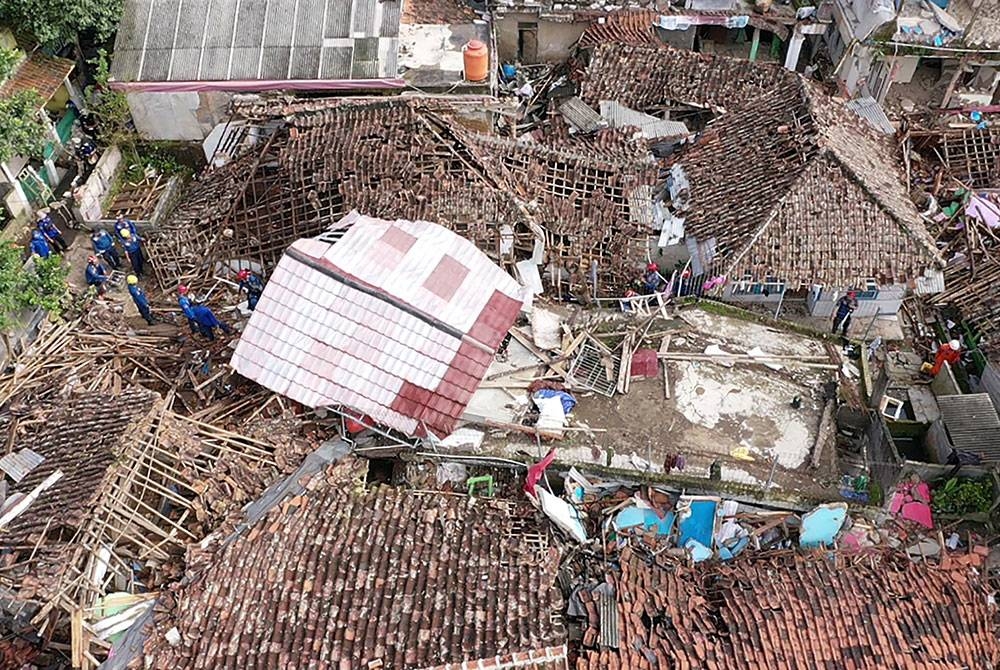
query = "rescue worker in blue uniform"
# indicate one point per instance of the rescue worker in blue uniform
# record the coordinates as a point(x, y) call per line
point(207, 322)
point(52, 233)
point(123, 224)
point(139, 298)
point(133, 251)
point(104, 246)
point(252, 284)
point(97, 275)
point(187, 308)
point(39, 245)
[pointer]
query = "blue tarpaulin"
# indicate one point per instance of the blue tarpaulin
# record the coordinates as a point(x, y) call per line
point(698, 521)
point(568, 401)
point(647, 518)
point(820, 526)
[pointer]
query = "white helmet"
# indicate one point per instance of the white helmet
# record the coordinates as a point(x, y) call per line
point(955, 345)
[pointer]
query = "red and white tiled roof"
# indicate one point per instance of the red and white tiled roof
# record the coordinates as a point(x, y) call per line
point(398, 320)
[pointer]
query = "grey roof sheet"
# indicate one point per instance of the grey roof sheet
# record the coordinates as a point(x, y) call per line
point(580, 116)
point(620, 116)
point(868, 109)
point(225, 40)
point(972, 424)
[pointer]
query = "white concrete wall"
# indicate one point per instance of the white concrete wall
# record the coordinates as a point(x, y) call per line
point(89, 196)
point(889, 300)
point(178, 116)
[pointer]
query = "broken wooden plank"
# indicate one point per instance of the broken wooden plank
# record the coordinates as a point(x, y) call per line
point(664, 346)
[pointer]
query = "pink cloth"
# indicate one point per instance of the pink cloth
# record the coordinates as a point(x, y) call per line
point(911, 502)
point(251, 85)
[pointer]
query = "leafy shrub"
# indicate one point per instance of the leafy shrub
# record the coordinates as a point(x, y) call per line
point(963, 496)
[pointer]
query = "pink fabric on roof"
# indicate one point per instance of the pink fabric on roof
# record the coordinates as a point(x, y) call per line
point(251, 85)
point(394, 337)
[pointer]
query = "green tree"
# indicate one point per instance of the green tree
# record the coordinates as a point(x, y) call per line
point(56, 22)
point(9, 58)
point(110, 106)
point(22, 130)
point(42, 285)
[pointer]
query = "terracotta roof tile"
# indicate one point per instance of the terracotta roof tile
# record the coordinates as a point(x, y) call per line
point(820, 180)
point(40, 73)
point(635, 26)
point(643, 76)
point(345, 576)
point(414, 160)
point(82, 438)
point(437, 12)
point(799, 613)
point(793, 186)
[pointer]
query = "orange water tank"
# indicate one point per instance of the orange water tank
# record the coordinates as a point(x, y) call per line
point(477, 61)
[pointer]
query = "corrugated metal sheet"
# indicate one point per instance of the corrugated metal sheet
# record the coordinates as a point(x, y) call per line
point(18, 465)
point(931, 281)
point(218, 40)
point(619, 116)
point(990, 383)
point(868, 109)
point(579, 115)
point(972, 424)
point(607, 607)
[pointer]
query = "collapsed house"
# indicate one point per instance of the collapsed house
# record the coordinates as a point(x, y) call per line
point(398, 320)
point(646, 77)
point(881, 45)
point(579, 219)
point(826, 212)
point(345, 575)
point(547, 31)
point(786, 190)
point(105, 494)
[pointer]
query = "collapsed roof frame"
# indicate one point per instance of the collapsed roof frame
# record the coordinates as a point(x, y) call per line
point(408, 159)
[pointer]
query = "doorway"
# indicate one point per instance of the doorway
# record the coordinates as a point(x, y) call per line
point(527, 43)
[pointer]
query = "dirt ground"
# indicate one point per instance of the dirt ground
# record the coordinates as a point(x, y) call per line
point(741, 416)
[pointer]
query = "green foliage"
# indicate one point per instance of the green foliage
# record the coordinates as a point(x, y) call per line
point(963, 496)
point(57, 22)
point(154, 155)
point(43, 285)
point(9, 58)
point(22, 130)
point(11, 283)
point(110, 106)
